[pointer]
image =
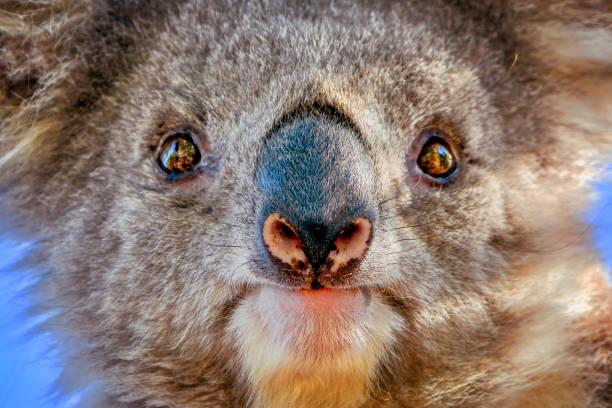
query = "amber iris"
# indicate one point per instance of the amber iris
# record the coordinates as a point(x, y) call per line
point(178, 155)
point(437, 159)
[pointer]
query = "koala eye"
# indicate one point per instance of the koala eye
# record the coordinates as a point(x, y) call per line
point(436, 157)
point(178, 154)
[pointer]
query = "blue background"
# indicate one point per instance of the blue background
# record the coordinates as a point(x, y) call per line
point(28, 369)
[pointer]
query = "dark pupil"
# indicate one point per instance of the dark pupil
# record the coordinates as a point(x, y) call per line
point(179, 154)
point(436, 159)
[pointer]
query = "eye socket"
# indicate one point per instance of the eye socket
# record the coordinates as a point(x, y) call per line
point(436, 157)
point(178, 154)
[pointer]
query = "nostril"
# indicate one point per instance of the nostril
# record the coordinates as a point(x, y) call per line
point(284, 231)
point(282, 241)
point(348, 231)
point(351, 244)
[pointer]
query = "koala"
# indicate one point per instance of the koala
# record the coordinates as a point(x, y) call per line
point(345, 204)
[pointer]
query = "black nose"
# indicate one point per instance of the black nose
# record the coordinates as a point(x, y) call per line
point(317, 211)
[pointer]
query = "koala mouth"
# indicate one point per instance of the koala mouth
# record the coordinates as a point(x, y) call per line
point(319, 320)
point(315, 284)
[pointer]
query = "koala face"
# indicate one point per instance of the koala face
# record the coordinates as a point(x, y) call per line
point(338, 204)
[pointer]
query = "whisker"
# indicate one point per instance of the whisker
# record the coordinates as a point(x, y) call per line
point(235, 226)
point(223, 245)
point(404, 239)
point(242, 264)
point(411, 225)
point(392, 198)
point(393, 253)
point(503, 75)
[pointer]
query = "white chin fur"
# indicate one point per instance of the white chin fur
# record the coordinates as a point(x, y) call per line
point(293, 348)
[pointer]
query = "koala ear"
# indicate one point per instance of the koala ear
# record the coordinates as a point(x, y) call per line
point(573, 40)
point(30, 32)
point(33, 37)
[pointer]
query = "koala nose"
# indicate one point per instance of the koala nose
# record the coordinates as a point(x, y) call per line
point(285, 243)
point(316, 201)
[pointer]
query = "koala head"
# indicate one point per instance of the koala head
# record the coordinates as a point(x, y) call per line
point(347, 204)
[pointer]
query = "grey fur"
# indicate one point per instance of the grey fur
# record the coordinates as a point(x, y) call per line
point(147, 274)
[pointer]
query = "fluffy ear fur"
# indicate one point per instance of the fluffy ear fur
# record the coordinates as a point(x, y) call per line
point(57, 59)
point(574, 39)
point(29, 32)
point(35, 39)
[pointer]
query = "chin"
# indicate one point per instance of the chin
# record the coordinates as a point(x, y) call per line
point(294, 344)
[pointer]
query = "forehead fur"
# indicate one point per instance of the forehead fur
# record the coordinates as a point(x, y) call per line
point(397, 58)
